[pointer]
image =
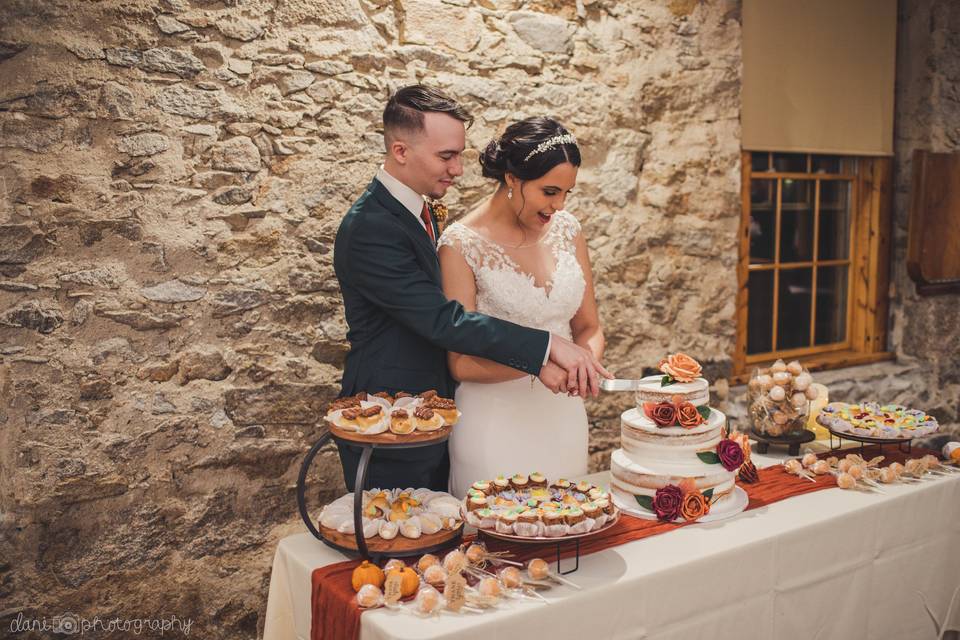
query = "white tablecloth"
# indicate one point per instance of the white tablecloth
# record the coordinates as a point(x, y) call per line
point(830, 564)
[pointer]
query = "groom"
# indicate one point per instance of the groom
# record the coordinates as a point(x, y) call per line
point(400, 323)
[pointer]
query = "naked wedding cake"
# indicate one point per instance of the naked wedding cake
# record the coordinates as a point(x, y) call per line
point(672, 438)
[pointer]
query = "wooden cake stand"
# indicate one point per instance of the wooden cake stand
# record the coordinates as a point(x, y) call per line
point(356, 544)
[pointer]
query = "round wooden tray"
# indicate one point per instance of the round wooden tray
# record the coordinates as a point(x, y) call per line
point(540, 539)
point(399, 546)
point(390, 439)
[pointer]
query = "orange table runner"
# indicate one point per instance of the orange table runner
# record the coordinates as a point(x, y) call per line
point(336, 616)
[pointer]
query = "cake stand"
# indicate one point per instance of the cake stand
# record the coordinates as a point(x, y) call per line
point(357, 545)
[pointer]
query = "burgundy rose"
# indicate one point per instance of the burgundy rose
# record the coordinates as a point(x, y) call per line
point(663, 414)
point(667, 502)
point(730, 454)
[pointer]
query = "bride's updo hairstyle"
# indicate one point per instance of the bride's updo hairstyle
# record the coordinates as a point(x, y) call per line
point(529, 149)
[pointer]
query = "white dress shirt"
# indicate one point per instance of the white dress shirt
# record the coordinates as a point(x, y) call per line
point(413, 202)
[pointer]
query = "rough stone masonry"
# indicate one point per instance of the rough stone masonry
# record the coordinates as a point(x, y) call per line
point(172, 173)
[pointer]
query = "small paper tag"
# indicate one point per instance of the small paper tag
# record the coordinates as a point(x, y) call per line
point(391, 589)
point(455, 592)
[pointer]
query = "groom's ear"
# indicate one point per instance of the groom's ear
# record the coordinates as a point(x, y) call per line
point(398, 150)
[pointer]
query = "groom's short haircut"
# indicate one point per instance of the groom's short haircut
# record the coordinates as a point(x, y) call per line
point(405, 109)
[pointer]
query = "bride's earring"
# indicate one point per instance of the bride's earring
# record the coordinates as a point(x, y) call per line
point(510, 193)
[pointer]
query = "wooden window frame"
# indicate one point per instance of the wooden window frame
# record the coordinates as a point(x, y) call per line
point(871, 201)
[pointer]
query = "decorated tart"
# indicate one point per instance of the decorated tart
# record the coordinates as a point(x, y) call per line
point(869, 419)
point(530, 506)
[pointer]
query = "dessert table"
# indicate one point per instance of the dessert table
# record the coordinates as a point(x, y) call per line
point(829, 564)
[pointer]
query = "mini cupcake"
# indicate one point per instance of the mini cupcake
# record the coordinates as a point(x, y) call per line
point(400, 422)
point(561, 484)
point(425, 419)
point(530, 516)
point(552, 518)
point(573, 515)
point(482, 486)
point(591, 510)
point(537, 479)
point(519, 481)
point(446, 408)
point(597, 494)
point(605, 505)
point(509, 518)
point(584, 487)
point(476, 502)
point(500, 483)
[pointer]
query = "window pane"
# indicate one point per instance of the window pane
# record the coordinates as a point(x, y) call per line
point(825, 164)
point(763, 193)
point(797, 193)
point(760, 312)
point(759, 161)
point(796, 235)
point(793, 315)
point(834, 234)
point(790, 162)
point(831, 305)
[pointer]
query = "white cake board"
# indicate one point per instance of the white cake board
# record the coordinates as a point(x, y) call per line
point(728, 508)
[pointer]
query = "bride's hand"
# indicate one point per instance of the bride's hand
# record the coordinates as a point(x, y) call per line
point(553, 377)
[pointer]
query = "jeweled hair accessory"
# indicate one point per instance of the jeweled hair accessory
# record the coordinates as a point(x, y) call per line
point(550, 143)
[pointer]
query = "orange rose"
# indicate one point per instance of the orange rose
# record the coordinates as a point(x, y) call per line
point(694, 506)
point(680, 367)
point(688, 416)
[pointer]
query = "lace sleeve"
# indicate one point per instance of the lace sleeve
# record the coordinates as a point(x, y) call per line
point(458, 238)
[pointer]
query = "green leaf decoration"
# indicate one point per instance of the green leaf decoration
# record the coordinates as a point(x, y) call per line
point(645, 501)
point(704, 411)
point(708, 457)
point(708, 493)
point(665, 380)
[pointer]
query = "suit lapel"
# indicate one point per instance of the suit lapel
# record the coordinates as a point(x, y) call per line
point(419, 234)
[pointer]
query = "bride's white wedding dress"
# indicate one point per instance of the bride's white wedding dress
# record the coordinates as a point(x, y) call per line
point(519, 426)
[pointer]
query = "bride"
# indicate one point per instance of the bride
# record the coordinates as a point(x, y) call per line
point(521, 257)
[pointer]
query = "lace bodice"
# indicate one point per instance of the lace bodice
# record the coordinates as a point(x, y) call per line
point(505, 291)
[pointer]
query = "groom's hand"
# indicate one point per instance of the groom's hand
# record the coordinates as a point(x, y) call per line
point(582, 368)
point(553, 377)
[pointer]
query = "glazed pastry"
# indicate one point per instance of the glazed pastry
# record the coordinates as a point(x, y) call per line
point(446, 408)
point(424, 419)
point(351, 417)
point(361, 396)
point(342, 403)
point(400, 422)
point(427, 395)
point(370, 416)
point(401, 394)
point(386, 396)
point(537, 479)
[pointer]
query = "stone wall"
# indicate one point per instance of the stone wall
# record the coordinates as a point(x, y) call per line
point(172, 175)
point(926, 329)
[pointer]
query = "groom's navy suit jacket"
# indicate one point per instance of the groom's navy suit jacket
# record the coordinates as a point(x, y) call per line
point(401, 326)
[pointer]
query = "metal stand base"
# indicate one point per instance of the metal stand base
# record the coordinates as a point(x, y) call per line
point(903, 446)
point(557, 544)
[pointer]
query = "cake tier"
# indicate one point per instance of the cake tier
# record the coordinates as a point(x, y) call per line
point(669, 450)
point(631, 479)
point(649, 390)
